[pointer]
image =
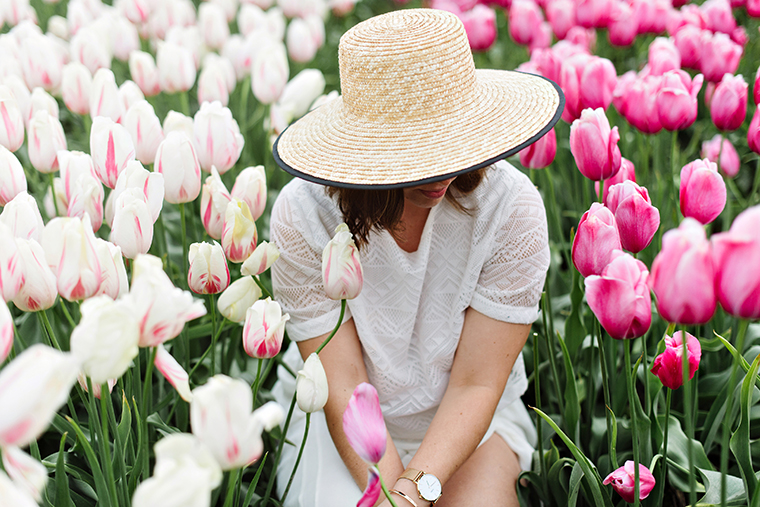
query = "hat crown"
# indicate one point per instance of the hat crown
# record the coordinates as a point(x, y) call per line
point(406, 65)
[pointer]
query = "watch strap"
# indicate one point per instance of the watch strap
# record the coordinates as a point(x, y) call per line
point(412, 475)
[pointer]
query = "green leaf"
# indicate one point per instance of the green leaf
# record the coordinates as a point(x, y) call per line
point(254, 482)
point(613, 451)
point(575, 331)
point(141, 446)
point(559, 487)
point(62, 496)
point(100, 483)
point(572, 405)
point(734, 489)
point(125, 424)
point(575, 483)
point(740, 439)
point(643, 424)
point(743, 362)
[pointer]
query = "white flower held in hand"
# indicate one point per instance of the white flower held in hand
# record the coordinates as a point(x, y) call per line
point(311, 385)
point(341, 270)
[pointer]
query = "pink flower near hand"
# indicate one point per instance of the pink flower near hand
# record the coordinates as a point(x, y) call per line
point(363, 424)
point(597, 237)
point(637, 220)
point(702, 192)
point(737, 273)
point(668, 366)
point(622, 481)
point(373, 489)
point(594, 145)
point(728, 105)
point(729, 158)
point(682, 275)
point(541, 153)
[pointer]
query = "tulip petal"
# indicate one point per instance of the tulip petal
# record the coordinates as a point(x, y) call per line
point(174, 373)
point(28, 473)
point(373, 489)
point(364, 425)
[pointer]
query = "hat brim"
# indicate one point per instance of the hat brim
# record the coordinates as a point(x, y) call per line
point(509, 111)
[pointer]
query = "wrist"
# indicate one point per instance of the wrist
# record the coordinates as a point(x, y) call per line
point(409, 489)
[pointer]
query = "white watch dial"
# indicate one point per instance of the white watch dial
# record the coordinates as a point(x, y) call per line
point(429, 487)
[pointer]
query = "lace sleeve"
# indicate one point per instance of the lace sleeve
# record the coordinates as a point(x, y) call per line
point(297, 274)
point(511, 280)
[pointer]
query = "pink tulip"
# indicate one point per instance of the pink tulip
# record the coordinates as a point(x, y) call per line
point(264, 329)
point(11, 274)
point(753, 8)
point(145, 129)
point(719, 56)
point(176, 67)
point(688, 40)
point(627, 172)
point(729, 158)
point(363, 424)
point(641, 109)
point(702, 192)
point(668, 366)
point(23, 218)
point(582, 37)
point(663, 56)
point(46, 137)
point(637, 220)
point(173, 373)
point(650, 15)
point(594, 145)
point(104, 96)
point(214, 199)
point(737, 277)
point(622, 481)
point(251, 187)
point(342, 271)
point(541, 153)
point(561, 16)
point(677, 100)
point(688, 15)
point(111, 148)
point(756, 87)
point(620, 30)
point(620, 297)
point(6, 332)
point(177, 161)
point(143, 71)
point(217, 137)
point(718, 16)
point(12, 177)
point(588, 82)
point(753, 133)
point(11, 120)
point(682, 275)
point(480, 25)
point(524, 18)
point(597, 237)
point(208, 272)
point(728, 105)
point(373, 489)
point(593, 13)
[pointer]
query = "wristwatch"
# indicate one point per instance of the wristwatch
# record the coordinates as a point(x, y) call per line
point(428, 486)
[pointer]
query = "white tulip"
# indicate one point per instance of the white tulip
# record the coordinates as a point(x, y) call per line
point(237, 298)
point(311, 385)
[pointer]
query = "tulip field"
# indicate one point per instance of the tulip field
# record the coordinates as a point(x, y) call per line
point(141, 339)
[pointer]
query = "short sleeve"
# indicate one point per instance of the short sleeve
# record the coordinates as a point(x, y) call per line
point(511, 281)
point(297, 274)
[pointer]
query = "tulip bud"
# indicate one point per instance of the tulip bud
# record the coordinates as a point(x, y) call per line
point(363, 424)
point(6, 332)
point(40, 100)
point(541, 153)
point(302, 47)
point(115, 282)
point(668, 366)
point(642, 111)
point(212, 86)
point(23, 218)
point(184, 484)
point(104, 95)
point(75, 87)
point(177, 161)
point(341, 270)
point(178, 449)
point(69, 245)
point(703, 192)
point(12, 124)
point(524, 18)
point(251, 186)
point(637, 220)
point(88, 48)
point(176, 68)
point(214, 199)
point(663, 56)
point(682, 275)
point(208, 272)
point(217, 137)
point(12, 177)
point(32, 388)
point(237, 298)
point(143, 71)
point(594, 145)
point(11, 276)
point(87, 198)
point(173, 372)
point(129, 95)
point(301, 91)
point(96, 388)
point(753, 133)
point(627, 172)
point(261, 259)
point(311, 385)
point(720, 147)
point(677, 100)
point(269, 72)
point(112, 148)
point(38, 289)
point(597, 237)
point(239, 235)
point(728, 105)
point(137, 11)
point(264, 329)
point(175, 121)
point(621, 31)
point(719, 56)
point(28, 473)
point(45, 139)
point(144, 128)
point(132, 228)
point(623, 478)
point(39, 63)
point(213, 24)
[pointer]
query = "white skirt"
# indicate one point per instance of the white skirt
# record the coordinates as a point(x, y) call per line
point(322, 479)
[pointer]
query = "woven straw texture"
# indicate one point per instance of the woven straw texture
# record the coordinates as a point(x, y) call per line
point(413, 107)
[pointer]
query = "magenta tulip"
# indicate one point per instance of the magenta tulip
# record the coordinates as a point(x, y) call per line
point(593, 13)
point(524, 18)
point(729, 158)
point(718, 16)
point(703, 192)
point(364, 425)
point(541, 153)
point(728, 105)
point(588, 82)
point(756, 87)
point(641, 108)
point(682, 275)
point(688, 40)
point(597, 237)
point(677, 100)
point(373, 489)
point(623, 478)
point(627, 172)
point(719, 55)
point(480, 26)
point(753, 133)
point(594, 145)
point(620, 297)
point(737, 273)
point(663, 57)
point(637, 220)
point(668, 366)
point(561, 16)
point(620, 31)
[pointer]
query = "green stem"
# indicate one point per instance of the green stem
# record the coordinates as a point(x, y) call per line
point(555, 376)
point(277, 457)
point(257, 382)
point(101, 430)
point(229, 499)
point(606, 390)
point(213, 334)
point(214, 339)
point(263, 289)
point(634, 430)
point(601, 191)
point(105, 396)
point(52, 192)
point(385, 490)
point(298, 459)
point(67, 314)
point(337, 326)
point(688, 415)
point(664, 460)
point(728, 418)
point(147, 385)
point(185, 102)
point(539, 431)
point(183, 225)
point(754, 195)
point(675, 172)
point(46, 323)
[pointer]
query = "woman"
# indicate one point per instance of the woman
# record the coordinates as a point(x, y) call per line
point(454, 251)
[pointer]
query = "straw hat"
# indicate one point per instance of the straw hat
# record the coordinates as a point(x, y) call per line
point(414, 109)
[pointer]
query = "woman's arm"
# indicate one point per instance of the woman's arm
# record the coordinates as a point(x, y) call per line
point(485, 355)
point(344, 367)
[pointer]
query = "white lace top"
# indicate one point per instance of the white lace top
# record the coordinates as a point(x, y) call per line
point(410, 312)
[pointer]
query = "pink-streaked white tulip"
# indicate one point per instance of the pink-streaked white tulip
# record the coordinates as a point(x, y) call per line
point(22, 95)
point(175, 121)
point(40, 66)
point(541, 153)
point(89, 49)
point(23, 218)
point(311, 385)
point(114, 282)
point(213, 25)
point(682, 275)
point(702, 193)
point(236, 299)
point(111, 148)
point(261, 259)
point(189, 38)
point(10, 264)
point(594, 145)
point(251, 187)
point(737, 277)
point(620, 297)
point(301, 91)
point(46, 138)
point(595, 240)
point(677, 100)
point(11, 120)
point(301, 42)
point(214, 200)
point(75, 87)
point(130, 94)
point(184, 484)
point(145, 129)
point(167, 14)
point(637, 220)
point(342, 272)
point(176, 68)
point(104, 96)
point(269, 72)
point(86, 197)
point(97, 389)
point(174, 373)
point(212, 86)
point(73, 165)
point(177, 161)
point(25, 471)
point(721, 148)
point(623, 478)
point(69, 245)
point(105, 340)
point(250, 17)
point(124, 36)
point(6, 332)
point(32, 388)
point(728, 105)
point(38, 289)
point(217, 137)
point(12, 177)
point(363, 424)
point(40, 100)
point(239, 234)
point(137, 11)
point(132, 228)
point(14, 495)
point(181, 448)
point(668, 366)
point(56, 207)
point(143, 71)
point(161, 308)
point(208, 272)
point(264, 329)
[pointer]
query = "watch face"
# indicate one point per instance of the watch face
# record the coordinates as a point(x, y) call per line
point(429, 487)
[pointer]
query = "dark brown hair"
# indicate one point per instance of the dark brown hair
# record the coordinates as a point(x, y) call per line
point(365, 210)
